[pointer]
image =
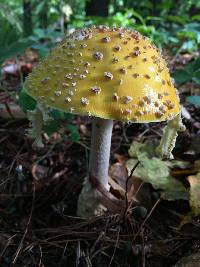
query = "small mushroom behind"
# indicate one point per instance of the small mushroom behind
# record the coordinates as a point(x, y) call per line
point(108, 74)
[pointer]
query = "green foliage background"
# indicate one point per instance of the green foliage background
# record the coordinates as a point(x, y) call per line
point(174, 25)
point(166, 22)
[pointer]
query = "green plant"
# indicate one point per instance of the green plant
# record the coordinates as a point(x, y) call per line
point(170, 30)
point(190, 73)
point(189, 35)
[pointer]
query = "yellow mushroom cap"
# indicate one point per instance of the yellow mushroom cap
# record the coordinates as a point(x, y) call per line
point(111, 73)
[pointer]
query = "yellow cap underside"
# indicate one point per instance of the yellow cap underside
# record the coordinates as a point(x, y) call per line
point(140, 89)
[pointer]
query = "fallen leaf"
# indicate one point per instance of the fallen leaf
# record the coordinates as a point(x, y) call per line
point(39, 172)
point(140, 150)
point(12, 111)
point(118, 172)
point(197, 165)
point(120, 158)
point(155, 171)
point(190, 261)
point(194, 193)
point(116, 189)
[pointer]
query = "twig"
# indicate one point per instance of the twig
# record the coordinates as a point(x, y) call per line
point(14, 160)
point(175, 248)
point(40, 262)
point(46, 154)
point(127, 180)
point(83, 145)
point(63, 254)
point(26, 230)
point(78, 253)
point(116, 243)
point(102, 234)
point(124, 133)
point(3, 139)
point(147, 217)
point(143, 251)
point(6, 246)
point(135, 196)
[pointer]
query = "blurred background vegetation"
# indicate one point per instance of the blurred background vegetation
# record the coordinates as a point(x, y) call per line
point(40, 24)
point(37, 26)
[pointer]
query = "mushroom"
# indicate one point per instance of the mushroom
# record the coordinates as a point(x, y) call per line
point(82, 76)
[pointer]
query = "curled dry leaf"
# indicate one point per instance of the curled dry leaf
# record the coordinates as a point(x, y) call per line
point(118, 172)
point(116, 189)
point(136, 190)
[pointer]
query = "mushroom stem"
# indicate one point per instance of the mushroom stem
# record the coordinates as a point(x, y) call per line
point(90, 198)
point(100, 150)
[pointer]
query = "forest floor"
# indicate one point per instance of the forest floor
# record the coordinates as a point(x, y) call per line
point(39, 189)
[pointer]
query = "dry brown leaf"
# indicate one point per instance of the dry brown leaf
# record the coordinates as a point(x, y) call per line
point(118, 172)
point(116, 189)
point(190, 261)
point(194, 200)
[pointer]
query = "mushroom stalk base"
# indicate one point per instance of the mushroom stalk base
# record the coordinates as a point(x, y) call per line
point(89, 202)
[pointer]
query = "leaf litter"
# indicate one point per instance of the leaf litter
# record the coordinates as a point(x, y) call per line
point(42, 224)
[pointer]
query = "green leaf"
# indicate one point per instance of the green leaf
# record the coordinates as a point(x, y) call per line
point(191, 72)
point(195, 100)
point(9, 14)
point(196, 17)
point(155, 171)
point(52, 127)
point(189, 45)
point(40, 7)
point(196, 76)
point(176, 19)
point(182, 76)
point(138, 16)
point(14, 48)
point(57, 115)
point(42, 49)
point(74, 133)
point(193, 66)
point(26, 102)
point(40, 33)
point(196, 80)
point(60, 115)
point(140, 150)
